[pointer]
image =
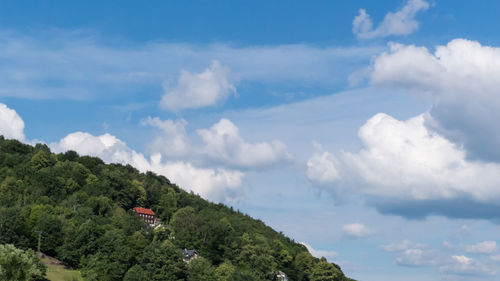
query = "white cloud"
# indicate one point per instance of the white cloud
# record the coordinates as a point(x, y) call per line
point(329, 255)
point(401, 22)
point(463, 265)
point(224, 144)
point(402, 246)
point(413, 254)
point(221, 145)
point(406, 160)
point(322, 167)
point(214, 184)
point(418, 257)
point(485, 247)
point(173, 140)
point(357, 230)
point(195, 90)
point(463, 78)
point(11, 124)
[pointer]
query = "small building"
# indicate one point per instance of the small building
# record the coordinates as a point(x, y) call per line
point(281, 276)
point(189, 255)
point(146, 215)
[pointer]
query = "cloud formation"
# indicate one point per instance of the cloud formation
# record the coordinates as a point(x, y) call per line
point(401, 22)
point(447, 262)
point(11, 124)
point(74, 65)
point(322, 167)
point(223, 144)
point(356, 230)
point(172, 140)
point(485, 247)
point(215, 184)
point(195, 90)
point(462, 78)
point(404, 161)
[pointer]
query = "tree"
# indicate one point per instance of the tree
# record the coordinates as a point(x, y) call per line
point(201, 269)
point(168, 205)
point(185, 225)
point(224, 271)
point(51, 229)
point(19, 265)
point(12, 227)
point(136, 273)
point(163, 261)
point(324, 271)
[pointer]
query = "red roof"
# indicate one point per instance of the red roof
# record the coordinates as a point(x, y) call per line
point(144, 211)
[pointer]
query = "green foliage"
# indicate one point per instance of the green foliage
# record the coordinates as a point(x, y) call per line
point(82, 209)
point(224, 271)
point(19, 265)
point(201, 269)
point(163, 261)
point(136, 273)
point(324, 271)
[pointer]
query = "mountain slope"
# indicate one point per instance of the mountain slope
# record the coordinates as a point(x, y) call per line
point(81, 207)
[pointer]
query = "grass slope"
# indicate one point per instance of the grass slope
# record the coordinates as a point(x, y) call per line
point(56, 271)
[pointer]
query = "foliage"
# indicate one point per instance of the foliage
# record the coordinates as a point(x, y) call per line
point(80, 207)
point(19, 265)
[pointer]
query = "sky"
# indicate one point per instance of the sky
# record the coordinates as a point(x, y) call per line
point(366, 130)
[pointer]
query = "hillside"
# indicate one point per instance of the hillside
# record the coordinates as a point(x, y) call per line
point(83, 209)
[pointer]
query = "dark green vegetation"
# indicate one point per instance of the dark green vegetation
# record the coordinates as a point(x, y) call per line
point(19, 265)
point(81, 207)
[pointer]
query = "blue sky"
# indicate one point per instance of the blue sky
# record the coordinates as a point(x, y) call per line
point(364, 129)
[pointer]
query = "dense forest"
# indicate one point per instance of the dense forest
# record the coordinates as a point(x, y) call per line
point(81, 209)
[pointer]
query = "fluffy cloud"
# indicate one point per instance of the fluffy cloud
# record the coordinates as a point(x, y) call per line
point(221, 145)
point(404, 161)
point(195, 90)
point(329, 255)
point(215, 184)
point(322, 168)
point(172, 140)
point(401, 22)
point(463, 78)
point(11, 124)
point(224, 144)
point(356, 230)
point(485, 247)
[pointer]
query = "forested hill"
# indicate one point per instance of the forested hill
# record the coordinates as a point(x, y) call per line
point(83, 209)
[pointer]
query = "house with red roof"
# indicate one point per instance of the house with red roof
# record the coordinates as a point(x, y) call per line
point(146, 215)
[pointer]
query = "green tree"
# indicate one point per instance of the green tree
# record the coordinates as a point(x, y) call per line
point(201, 269)
point(224, 271)
point(163, 261)
point(168, 205)
point(136, 273)
point(19, 265)
point(12, 227)
point(257, 256)
point(186, 226)
point(304, 264)
point(325, 271)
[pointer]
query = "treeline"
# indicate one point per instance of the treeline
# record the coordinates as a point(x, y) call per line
point(81, 209)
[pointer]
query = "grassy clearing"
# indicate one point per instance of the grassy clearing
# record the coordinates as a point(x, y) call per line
point(57, 272)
